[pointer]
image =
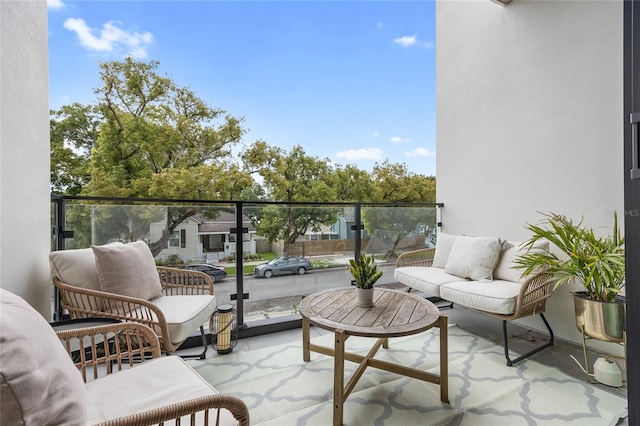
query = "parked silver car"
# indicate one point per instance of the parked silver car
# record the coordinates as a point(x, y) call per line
point(282, 265)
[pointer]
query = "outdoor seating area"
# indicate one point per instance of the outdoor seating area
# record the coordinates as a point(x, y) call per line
point(209, 391)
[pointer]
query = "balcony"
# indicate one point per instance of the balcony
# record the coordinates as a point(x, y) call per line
point(267, 313)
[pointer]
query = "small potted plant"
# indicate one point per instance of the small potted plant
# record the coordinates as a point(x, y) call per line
point(365, 273)
point(597, 263)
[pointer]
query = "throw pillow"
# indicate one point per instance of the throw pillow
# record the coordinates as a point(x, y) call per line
point(505, 271)
point(474, 257)
point(39, 384)
point(128, 269)
point(444, 243)
point(76, 267)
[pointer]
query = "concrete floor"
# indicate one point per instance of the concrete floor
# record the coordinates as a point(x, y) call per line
point(521, 341)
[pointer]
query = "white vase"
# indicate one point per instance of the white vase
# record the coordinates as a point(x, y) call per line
point(364, 297)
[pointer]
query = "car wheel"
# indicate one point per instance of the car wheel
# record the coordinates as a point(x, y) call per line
point(268, 274)
point(213, 278)
point(301, 270)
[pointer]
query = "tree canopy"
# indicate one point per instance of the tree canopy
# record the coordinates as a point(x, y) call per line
point(146, 136)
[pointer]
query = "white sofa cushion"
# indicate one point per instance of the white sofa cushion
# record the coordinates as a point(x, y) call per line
point(499, 297)
point(38, 382)
point(76, 268)
point(504, 270)
point(444, 243)
point(185, 313)
point(153, 384)
point(474, 257)
point(128, 270)
point(424, 279)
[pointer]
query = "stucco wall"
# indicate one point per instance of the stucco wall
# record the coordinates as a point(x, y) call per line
point(25, 226)
point(529, 119)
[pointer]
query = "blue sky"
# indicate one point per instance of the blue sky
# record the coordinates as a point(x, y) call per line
point(352, 81)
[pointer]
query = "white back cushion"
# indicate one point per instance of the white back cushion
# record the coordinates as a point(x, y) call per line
point(75, 267)
point(39, 385)
point(504, 270)
point(444, 243)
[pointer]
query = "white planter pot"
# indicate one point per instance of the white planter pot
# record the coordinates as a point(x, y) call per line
point(364, 297)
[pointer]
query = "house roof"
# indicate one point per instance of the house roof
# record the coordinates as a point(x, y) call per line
point(222, 224)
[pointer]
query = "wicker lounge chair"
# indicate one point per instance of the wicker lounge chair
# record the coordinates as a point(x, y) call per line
point(122, 378)
point(178, 302)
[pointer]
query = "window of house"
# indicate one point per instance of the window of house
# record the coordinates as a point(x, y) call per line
point(232, 238)
point(178, 239)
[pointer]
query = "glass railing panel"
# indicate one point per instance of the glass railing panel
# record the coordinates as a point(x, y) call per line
point(289, 239)
point(206, 233)
point(390, 230)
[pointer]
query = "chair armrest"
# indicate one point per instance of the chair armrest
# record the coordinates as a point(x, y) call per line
point(117, 344)
point(422, 257)
point(184, 281)
point(533, 295)
point(197, 408)
point(86, 303)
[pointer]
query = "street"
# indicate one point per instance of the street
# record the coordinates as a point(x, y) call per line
point(280, 295)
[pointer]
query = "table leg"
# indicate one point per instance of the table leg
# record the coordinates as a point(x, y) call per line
point(306, 353)
point(338, 378)
point(444, 359)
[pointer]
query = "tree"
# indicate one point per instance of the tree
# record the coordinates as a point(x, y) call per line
point(291, 177)
point(352, 184)
point(152, 126)
point(393, 183)
point(74, 131)
point(154, 139)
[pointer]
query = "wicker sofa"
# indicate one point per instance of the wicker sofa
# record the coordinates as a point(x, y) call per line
point(478, 273)
point(125, 381)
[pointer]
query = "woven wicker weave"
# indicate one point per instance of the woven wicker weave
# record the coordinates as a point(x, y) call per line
point(422, 257)
point(130, 343)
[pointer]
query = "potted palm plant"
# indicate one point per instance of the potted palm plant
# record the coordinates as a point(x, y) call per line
point(365, 273)
point(597, 263)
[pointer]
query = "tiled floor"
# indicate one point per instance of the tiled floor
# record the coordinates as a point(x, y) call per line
point(521, 341)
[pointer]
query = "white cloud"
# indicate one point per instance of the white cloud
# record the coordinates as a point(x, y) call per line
point(361, 154)
point(111, 38)
point(55, 4)
point(406, 41)
point(420, 152)
point(379, 25)
point(376, 133)
point(398, 139)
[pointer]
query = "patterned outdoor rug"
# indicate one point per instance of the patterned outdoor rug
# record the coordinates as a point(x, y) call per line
point(281, 389)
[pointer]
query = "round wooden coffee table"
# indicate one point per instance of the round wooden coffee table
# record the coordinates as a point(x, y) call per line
point(395, 313)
